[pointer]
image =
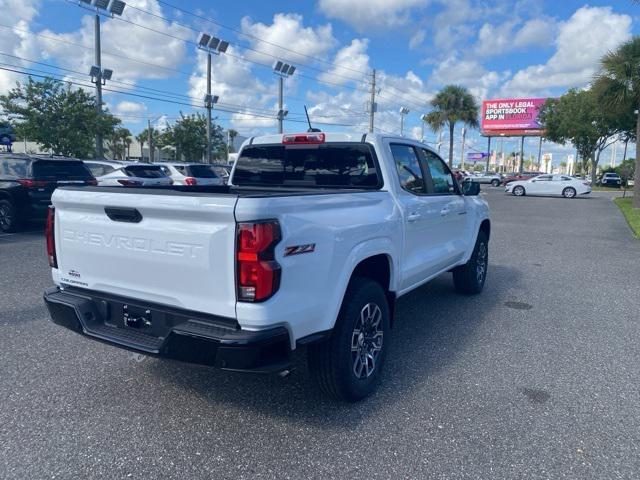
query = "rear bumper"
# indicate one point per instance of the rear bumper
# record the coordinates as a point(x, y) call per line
point(171, 333)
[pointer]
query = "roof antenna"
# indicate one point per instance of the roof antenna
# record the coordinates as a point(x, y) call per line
point(311, 129)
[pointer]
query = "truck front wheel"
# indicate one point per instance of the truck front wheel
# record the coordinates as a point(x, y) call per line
point(348, 365)
point(469, 278)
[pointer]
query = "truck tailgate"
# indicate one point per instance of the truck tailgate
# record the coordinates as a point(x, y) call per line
point(178, 250)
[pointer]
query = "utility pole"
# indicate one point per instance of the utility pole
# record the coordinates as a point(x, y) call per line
point(372, 105)
point(439, 140)
point(149, 141)
point(489, 151)
point(209, 106)
point(99, 146)
point(521, 155)
point(403, 111)
point(464, 134)
point(539, 151)
point(280, 104)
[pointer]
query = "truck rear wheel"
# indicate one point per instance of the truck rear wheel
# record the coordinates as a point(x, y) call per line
point(348, 365)
point(469, 278)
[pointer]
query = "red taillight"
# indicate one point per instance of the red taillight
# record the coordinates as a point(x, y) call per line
point(258, 274)
point(27, 182)
point(130, 183)
point(190, 181)
point(50, 235)
point(303, 138)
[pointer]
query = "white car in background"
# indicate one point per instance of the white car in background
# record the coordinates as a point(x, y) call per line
point(561, 185)
point(134, 175)
point(193, 173)
point(100, 168)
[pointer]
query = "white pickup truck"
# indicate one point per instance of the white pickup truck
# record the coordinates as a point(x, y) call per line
point(311, 244)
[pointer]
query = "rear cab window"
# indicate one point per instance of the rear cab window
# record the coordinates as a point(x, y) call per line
point(328, 165)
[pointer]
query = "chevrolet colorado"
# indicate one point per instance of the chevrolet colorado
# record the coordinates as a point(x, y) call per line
point(310, 244)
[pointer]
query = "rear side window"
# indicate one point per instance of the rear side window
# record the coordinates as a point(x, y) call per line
point(408, 166)
point(202, 171)
point(308, 166)
point(98, 169)
point(181, 169)
point(144, 171)
point(60, 169)
point(13, 167)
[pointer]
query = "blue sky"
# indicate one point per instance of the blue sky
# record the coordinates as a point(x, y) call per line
point(495, 48)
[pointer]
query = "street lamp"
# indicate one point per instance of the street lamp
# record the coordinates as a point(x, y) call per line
point(424, 120)
point(283, 70)
point(403, 111)
point(211, 45)
point(98, 75)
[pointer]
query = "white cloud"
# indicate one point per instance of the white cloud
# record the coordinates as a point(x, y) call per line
point(364, 15)
point(468, 73)
point(130, 108)
point(288, 30)
point(582, 40)
point(497, 39)
point(348, 61)
point(16, 41)
point(416, 39)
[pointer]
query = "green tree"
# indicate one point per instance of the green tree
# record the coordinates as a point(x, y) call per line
point(117, 142)
point(232, 136)
point(576, 117)
point(59, 118)
point(619, 84)
point(143, 138)
point(451, 105)
point(187, 138)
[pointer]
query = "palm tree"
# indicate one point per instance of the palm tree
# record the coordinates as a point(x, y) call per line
point(142, 139)
point(451, 105)
point(619, 80)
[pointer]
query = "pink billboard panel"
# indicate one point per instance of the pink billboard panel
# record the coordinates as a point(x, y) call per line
point(511, 114)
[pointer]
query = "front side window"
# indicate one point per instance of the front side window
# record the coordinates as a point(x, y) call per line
point(408, 166)
point(443, 182)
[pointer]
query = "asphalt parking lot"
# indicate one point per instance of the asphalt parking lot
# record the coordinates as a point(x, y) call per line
point(538, 377)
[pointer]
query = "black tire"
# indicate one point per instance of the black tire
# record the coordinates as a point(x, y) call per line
point(333, 362)
point(519, 191)
point(495, 182)
point(9, 221)
point(569, 192)
point(470, 277)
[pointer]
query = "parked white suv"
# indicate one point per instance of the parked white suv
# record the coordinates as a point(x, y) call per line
point(311, 244)
point(135, 175)
point(193, 173)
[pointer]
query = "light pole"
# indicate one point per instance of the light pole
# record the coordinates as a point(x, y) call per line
point(423, 118)
point(98, 75)
point(464, 134)
point(215, 46)
point(403, 111)
point(282, 70)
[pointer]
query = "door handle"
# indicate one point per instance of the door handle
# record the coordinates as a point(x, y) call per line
point(445, 211)
point(413, 217)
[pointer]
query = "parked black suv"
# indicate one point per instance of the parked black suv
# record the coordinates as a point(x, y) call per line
point(27, 182)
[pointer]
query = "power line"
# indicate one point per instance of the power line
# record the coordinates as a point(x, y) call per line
point(237, 112)
point(248, 35)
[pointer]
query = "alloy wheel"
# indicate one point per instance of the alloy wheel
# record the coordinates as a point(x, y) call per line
point(366, 341)
point(481, 262)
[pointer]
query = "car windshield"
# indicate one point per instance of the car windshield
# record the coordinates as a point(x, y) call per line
point(60, 170)
point(144, 171)
point(345, 165)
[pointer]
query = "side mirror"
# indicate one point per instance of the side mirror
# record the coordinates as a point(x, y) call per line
point(470, 189)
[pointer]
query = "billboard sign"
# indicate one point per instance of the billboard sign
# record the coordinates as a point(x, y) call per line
point(512, 117)
point(476, 156)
